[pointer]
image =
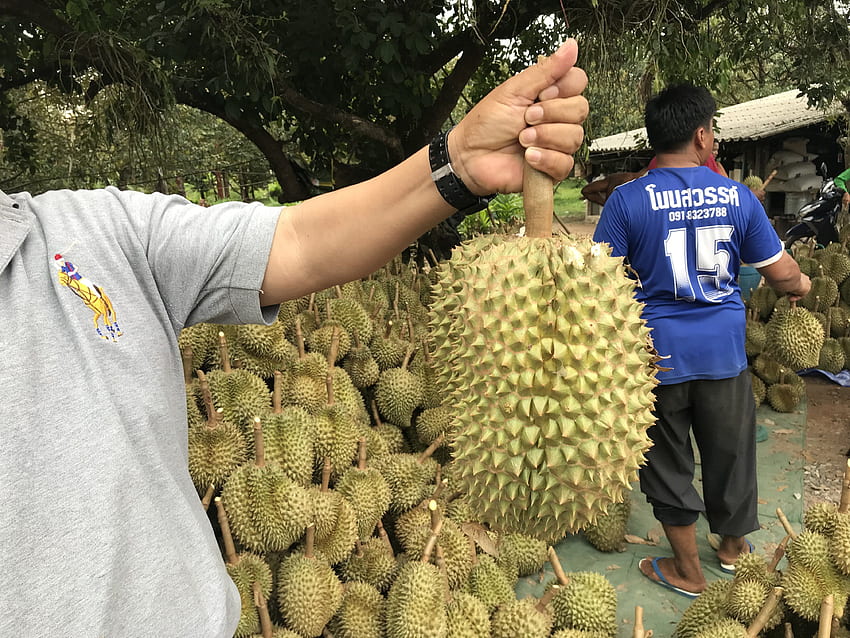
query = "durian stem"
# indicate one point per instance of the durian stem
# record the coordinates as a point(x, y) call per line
point(538, 201)
point(208, 497)
point(358, 548)
point(436, 526)
point(311, 306)
point(844, 504)
point(186, 357)
point(310, 540)
point(326, 633)
point(827, 607)
point(435, 444)
point(327, 468)
point(407, 356)
point(229, 547)
point(547, 597)
point(328, 312)
point(276, 392)
point(329, 384)
point(382, 534)
point(338, 289)
point(395, 302)
point(765, 613)
point(440, 562)
point(439, 483)
point(639, 631)
point(778, 554)
point(817, 303)
point(557, 568)
point(361, 453)
point(334, 349)
point(789, 631)
point(224, 352)
point(784, 520)
point(389, 329)
point(259, 447)
point(375, 414)
point(356, 336)
point(299, 338)
point(266, 626)
point(410, 326)
point(207, 395)
point(793, 304)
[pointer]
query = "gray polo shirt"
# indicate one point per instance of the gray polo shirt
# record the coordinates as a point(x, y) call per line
point(102, 532)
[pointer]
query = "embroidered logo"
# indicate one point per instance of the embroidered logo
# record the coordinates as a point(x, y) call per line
point(92, 295)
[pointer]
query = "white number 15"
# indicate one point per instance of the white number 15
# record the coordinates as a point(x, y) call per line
point(712, 262)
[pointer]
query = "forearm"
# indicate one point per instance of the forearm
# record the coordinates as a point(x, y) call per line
point(785, 276)
point(350, 233)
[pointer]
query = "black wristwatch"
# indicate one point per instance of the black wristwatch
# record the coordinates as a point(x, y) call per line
point(448, 183)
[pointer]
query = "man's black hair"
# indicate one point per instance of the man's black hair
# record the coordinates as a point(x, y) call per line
point(674, 115)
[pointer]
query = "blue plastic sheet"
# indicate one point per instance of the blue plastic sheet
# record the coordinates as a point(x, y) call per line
point(842, 378)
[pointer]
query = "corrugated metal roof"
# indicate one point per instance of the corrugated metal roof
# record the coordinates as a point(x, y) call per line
point(751, 120)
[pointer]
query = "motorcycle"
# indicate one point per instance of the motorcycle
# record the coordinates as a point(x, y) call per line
point(818, 218)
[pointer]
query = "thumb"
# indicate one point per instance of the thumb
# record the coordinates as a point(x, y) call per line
point(548, 71)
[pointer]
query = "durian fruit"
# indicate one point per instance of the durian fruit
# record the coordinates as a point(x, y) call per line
point(821, 518)
point(321, 338)
point(387, 347)
point(424, 367)
point(844, 289)
point(216, 447)
point(578, 633)
point(839, 320)
point(808, 266)
point(767, 369)
point(348, 310)
point(247, 570)
point(745, 599)
point(361, 365)
point(200, 341)
point(726, 628)
point(392, 435)
point(268, 511)
point(831, 356)
point(839, 547)
point(242, 395)
point(835, 264)
point(467, 617)
point(361, 614)
point(527, 617)
point(399, 392)
point(371, 562)
point(762, 300)
point(367, 491)
point(289, 437)
point(267, 629)
point(489, 583)
point(823, 293)
point(262, 349)
point(794, 338)
point(608, 533)
point(759, 389)
point(521, 553)
point(785, 396)
point(416, 602)
point(804, 591)
point(546, 359)
point(755, 335)
point(706, 609)
point(433, 422)
point(586, 601)
point(410, 477)
point(810, 549)
point(753, 182)
point(308, 591)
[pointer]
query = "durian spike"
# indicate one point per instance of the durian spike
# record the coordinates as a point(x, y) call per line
point(259, 447)
point(538, 201)
point(266, 627)
point(361, 453)
point(778, 554)
point(310, 540)
point(547, 598)
point(208, 497)
point(231, 557)
point(789, 631)
point(224, 353)
point(825, 623)
point(327, 468)
point(186, 357)
point(844, 503)
point(431, 448)
point(563, 580)
point(784, 520)
point(299, 338)
point(639, 631)
point(765, 612)
point(276, 392)
point(436, 526)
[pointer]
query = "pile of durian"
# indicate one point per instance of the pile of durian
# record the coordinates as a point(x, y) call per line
point(323, 447)
point(784, 337)
point(809, 590)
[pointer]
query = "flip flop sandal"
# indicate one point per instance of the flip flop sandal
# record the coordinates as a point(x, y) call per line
point(662, 581)
point(730, 568)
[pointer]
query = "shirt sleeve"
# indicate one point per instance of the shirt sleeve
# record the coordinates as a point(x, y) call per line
point(841, 180)
point(613, 226)
point(761, 246)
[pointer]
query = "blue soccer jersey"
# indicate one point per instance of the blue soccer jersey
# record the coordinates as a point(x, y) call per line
point(685, 232)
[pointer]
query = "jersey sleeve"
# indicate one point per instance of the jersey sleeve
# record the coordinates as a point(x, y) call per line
point(761, 245)
point(613, 227)
point(841, 180)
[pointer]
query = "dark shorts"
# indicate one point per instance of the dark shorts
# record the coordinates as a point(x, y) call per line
point(722, 415)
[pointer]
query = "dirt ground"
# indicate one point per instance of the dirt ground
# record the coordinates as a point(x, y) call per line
point(827, 427)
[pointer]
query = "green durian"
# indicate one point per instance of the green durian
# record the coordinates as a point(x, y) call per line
point(289, 437)
point(361, 613)
point(726, 628)
point(608, 532)
point(398, 393)
point(416, 606)
point(524, 617)
point(821, 518)
point(550, 426)
point(708, 608)
point(369, 494)
point(762, 300)
point(371, 562)
point(767, 369)
point(587, 602)
point(746, 598)
point(467, 617)
point(803, 591)
point(489, 583)
point(759, 389)
point(794, 338)
point(521, 553)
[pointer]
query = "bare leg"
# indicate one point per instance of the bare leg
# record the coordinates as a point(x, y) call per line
point(731, 547)
point(684, 569)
